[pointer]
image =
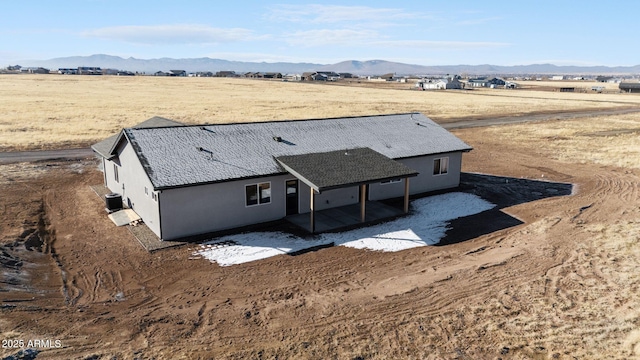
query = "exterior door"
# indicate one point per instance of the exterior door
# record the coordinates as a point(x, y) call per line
point(291, 190)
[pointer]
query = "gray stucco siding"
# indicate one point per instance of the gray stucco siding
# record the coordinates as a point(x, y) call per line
point(326, 199)
point(425, 181)
point(131, 184)
point(206, 208)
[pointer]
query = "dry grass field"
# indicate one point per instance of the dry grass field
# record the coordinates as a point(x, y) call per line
point(562, 284)
point(577, 84)
point(48, 111)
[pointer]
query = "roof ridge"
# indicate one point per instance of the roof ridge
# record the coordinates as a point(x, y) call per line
point(280, 121)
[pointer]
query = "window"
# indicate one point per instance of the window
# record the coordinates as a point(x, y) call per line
point(392, 181)
point(441, 166)
point(115, 173)
point(257, 194)
point(154, 195)
point(146, 191)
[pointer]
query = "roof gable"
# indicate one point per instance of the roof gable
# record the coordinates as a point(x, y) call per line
point(105, 147)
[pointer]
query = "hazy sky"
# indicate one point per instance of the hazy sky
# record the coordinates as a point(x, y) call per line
point(447, 32)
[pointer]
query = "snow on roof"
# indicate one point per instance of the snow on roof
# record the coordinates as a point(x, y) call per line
point(104, 146)
point(189, 155)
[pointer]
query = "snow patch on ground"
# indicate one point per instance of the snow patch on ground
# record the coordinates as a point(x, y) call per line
point(426, 225)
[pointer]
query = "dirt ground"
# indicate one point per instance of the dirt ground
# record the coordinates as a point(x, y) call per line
point(560, 282)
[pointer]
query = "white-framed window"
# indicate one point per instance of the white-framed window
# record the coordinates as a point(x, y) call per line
point(257, 194)
point(441, 166)
point(116, 176)
point(154, 196)
point(146, 191)
point(392, 181)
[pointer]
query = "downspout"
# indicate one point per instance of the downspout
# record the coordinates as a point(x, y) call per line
point(104, 171)
point(160, 213)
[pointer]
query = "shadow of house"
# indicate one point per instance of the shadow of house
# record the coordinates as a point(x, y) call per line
point(503, 192)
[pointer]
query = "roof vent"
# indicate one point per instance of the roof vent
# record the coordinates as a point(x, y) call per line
point(201, 149)
point(205, 129)
point(277, 138)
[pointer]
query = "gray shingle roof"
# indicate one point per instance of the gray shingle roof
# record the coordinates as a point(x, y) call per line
point(104, 147)
point(188, 155)
point(340, 168)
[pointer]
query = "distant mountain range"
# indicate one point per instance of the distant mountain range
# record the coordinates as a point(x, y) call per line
point(371, 67)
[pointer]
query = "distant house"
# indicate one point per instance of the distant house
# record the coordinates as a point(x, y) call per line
point(68, 71)
point(450, 82)
point(485, 82)
point(110, 71)
point(604, 78)
point(189, 180)
point(254, 75)
point(272, 75)
point(292, 77)
point(180, 73)
point(387, 77)
point(557, 77)
point(496, 82)
point(34, 70)
point(89, 70)
point(629, 87)
point(226, 74)
point(321, 76)
point(477, 82)
point(160, 73)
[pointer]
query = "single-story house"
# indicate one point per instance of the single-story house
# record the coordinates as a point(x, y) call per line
point(226, 73)
point(484, 82)
point(273, 75)
point(34, 70)
point(321, 76)
point(177, 73)
point(292, 77)
point(185, 180)
point(447, 83)
point(67, 71)
point(89, 70)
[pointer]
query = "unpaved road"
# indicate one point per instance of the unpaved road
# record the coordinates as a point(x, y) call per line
point(10, 157)
point(44, 155)
point(463, 123)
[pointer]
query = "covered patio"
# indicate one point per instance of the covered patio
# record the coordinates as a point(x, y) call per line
point(345, 217)
point(341, 169)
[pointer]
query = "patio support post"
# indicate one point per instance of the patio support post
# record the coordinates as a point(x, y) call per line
point(312, 224)
point(363, 198)
point(406, 195)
